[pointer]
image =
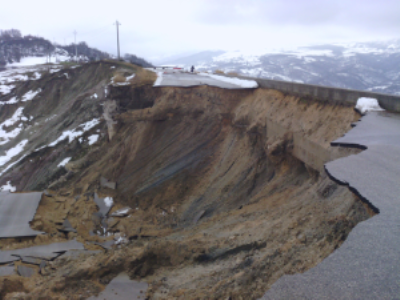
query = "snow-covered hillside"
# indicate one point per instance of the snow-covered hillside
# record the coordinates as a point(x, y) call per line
point(364, 66)
point(18, 50)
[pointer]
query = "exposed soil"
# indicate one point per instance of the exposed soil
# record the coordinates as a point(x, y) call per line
point(219, 208)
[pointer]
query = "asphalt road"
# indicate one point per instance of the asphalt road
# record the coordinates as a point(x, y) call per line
point(367, 265)
point(188, 79)
point(16, 211)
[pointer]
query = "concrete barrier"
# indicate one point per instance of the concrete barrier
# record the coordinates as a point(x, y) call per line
point(325, 93)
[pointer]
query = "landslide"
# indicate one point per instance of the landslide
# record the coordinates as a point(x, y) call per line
point(220, 209)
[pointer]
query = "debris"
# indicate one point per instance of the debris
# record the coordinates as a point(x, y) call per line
point(104, 204)
point(42, 266)
point(25, 271)
point(108, 184)
point(106, 245)
point(121, 288)
point(46, 252)
point(31, 260)
point(123, 212)
point(76, 253)
point(67, 227)
point(7, 270)
point(46, 192)
point(121, 240)
point(111, 222)
point(198, 216)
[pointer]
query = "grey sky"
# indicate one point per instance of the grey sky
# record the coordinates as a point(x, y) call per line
point(153, 28)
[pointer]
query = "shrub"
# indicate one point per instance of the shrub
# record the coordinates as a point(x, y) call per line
point(219, 72)
point(232, 74)
point(118, 78)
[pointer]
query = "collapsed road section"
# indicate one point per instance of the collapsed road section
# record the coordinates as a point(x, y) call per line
point(195, 192)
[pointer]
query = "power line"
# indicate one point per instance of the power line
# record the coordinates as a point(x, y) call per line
point(118, 24)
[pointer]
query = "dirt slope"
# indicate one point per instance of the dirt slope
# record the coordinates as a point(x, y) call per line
point(220, 209)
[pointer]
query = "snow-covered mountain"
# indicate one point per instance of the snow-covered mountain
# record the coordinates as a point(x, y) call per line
point(373, 66)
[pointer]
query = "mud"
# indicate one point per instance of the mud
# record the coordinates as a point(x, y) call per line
point(219, 207)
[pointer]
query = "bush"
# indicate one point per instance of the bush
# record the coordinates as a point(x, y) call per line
point(118, 78)
point(219, 72)
point(232, 74)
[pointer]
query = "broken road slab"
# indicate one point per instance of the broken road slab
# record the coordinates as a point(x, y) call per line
point(46, 252)
point(26, 271)
point(108, 184)
point(7, 271)
point(16, 211)
point(123, 288)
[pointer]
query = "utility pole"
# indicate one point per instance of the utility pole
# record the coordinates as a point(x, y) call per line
point(76, 49)
point(55, 49)
point(118, 24)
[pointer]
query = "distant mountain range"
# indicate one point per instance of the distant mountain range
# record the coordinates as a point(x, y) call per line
point(373, 66)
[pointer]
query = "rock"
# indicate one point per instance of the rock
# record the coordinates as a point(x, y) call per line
point(46, 192)
point(198, 216)
point(111, 222)
point(72, 235)
point(123, 212)
point(107, 184)
point(25, 271)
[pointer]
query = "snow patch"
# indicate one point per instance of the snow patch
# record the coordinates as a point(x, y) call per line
point(64, 162)
point(30, 95)
point(13, 100)
point(93, 139)
point(6, 89)
point(159, 79)
point(36, 76)
point(365, 104)
point(10, 153)
point(94, 96)
point(108, 201)
point(50, 118)
point(130, 77)
point(72, 134)
point(5, 136)
point(8, 187)
point(243, 83)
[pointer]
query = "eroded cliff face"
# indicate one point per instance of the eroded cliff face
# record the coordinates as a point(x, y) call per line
point(220, 206)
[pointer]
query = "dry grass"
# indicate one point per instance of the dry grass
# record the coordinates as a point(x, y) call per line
point(219, 72)
point(232, 74)
point(144, 77)
point(119, 78)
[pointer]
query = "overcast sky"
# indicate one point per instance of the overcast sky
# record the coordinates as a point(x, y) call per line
point(154, 28)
